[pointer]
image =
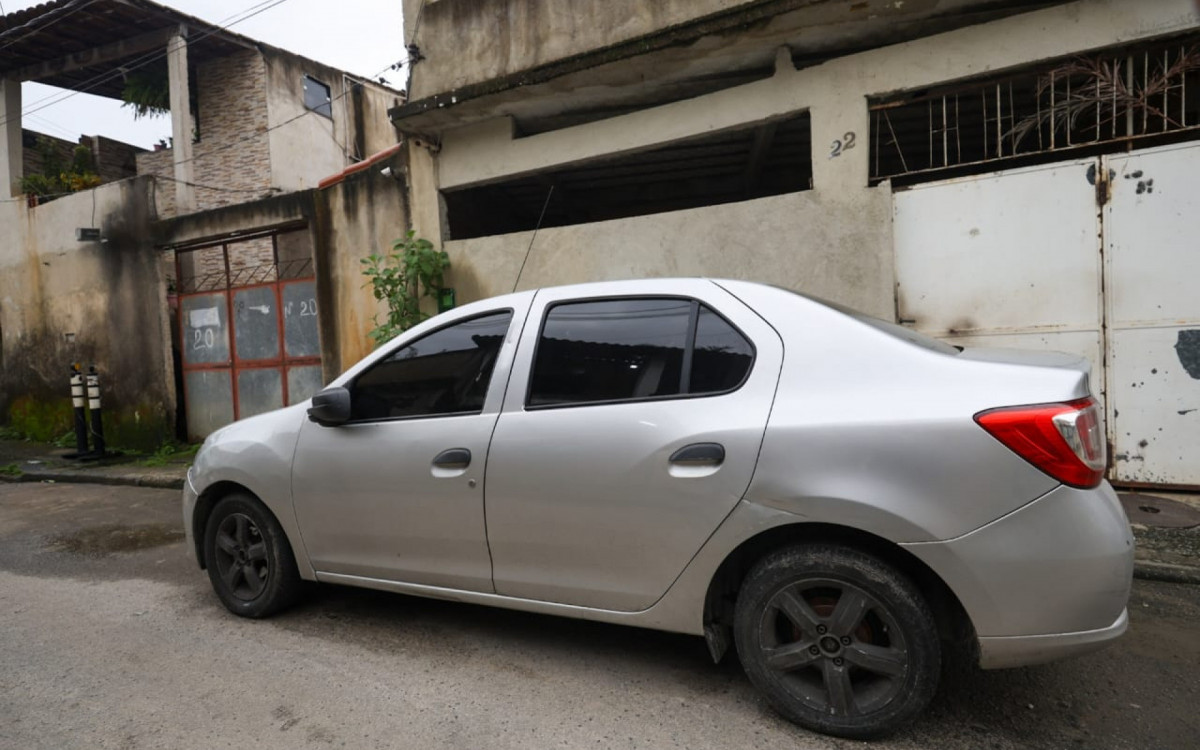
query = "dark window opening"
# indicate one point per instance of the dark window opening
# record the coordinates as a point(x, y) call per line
point(1084, 105)
point(316, 96)
point(635, 349)
point(769, 158)
point(445, 372)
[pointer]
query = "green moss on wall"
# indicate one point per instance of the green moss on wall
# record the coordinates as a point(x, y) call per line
point(40, 420)
point(141, 428)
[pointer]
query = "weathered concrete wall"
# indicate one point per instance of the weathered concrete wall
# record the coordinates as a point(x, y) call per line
point(845, 224)
point(468, 41)
point(797, 241)
point(312, 146)
point(363, 214)
point(64, 301)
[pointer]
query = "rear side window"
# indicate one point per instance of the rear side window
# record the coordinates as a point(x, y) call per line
point(446, 372)
point(634, 349)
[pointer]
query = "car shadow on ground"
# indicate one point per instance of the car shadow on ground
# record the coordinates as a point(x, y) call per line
point(1087, 702)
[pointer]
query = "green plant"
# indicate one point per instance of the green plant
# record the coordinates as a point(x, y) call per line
point(65, 440)
point(57, 176)
point(148, 92)
point(402, 278)
point(11, 470)
point(168, 452)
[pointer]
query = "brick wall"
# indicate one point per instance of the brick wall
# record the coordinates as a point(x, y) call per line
point(159, 164)
point(232, 92)
point(114, 160)
point(231, 163)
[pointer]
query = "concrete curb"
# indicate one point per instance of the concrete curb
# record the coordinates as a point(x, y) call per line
point(1166, 572)
point(128, 480)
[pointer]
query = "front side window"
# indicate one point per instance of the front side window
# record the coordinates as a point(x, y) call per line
point(445, 372)
point(632, 349)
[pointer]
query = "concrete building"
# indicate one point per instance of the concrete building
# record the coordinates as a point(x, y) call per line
point(204, 291)
point(1017, 173)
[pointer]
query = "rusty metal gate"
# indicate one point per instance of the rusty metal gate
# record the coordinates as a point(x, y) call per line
point(248, 327)
point(1095, 257)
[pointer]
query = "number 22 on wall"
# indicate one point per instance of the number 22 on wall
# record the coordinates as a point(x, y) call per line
point(845, 144)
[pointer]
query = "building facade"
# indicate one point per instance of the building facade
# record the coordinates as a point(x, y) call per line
point(993, 174)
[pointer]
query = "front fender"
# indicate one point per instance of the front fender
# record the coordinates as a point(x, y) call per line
point(256, 454)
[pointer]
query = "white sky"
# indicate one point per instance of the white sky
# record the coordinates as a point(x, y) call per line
point(358, 36)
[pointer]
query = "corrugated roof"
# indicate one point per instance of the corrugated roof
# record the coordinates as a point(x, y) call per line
point(82, 44)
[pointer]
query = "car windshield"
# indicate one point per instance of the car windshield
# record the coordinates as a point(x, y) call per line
point(898, 331)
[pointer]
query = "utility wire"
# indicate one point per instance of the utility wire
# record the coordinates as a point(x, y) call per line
point(137, 62)
point(255, 134)
point(54, 15)
point(147, 59)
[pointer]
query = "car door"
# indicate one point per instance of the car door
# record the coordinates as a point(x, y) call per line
point(397, 492)
point(622, 446)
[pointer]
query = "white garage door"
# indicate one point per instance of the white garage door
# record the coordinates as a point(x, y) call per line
point(1015, 259)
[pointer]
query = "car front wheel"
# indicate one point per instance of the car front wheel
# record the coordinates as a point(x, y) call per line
point(249, 560)
point(838, 641)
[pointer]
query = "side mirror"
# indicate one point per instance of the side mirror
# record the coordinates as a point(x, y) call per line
point(330, 407)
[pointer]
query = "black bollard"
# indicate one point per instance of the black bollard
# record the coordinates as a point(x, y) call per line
point(93, 393)
point(81, 440)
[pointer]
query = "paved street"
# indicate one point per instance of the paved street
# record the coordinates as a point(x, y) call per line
point(111, 638)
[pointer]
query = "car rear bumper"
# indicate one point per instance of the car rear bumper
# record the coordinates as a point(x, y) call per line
point(1048, 580)
point(999, 652)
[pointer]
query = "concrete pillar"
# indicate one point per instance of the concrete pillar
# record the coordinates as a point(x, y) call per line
point(12, 166)
point(181, 122)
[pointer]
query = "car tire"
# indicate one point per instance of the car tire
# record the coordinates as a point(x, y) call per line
point(249, 559)
point(838, 641)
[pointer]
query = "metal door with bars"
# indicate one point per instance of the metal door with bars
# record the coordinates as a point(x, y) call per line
point(249, 338)
point(1096, 257)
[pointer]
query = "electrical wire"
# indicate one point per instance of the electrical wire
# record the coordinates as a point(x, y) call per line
point(55, 15)
point(145, 59)
point(250, 136)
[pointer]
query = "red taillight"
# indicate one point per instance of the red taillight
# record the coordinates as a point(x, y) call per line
point(1064, 440)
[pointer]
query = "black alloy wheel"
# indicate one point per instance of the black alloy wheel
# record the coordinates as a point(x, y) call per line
point(837, 640)
point(249, 559)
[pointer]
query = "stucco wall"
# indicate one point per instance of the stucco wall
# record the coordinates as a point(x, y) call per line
point(468, 41)
point(845, 234)
point(64, 301)
point(361, 215)
point(312, 146)
point(797, 241)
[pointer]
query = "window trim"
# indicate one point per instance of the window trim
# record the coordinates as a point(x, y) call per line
point(349, 386)
point(689, 348)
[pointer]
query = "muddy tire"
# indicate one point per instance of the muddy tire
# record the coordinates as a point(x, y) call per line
point(249, 560)
point(838, 641)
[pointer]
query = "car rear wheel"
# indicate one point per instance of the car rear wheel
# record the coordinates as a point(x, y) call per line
point(837, 641)
point(249, 560)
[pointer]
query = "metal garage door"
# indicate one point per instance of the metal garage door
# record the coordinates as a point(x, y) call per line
point(1041, 258)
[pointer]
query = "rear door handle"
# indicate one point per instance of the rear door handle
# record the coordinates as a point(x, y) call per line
point(699, 453)
point(454, 458)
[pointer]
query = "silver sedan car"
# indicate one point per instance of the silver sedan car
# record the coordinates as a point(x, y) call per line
point(841, 500)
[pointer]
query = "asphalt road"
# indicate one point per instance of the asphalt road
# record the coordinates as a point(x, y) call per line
point(111, 638)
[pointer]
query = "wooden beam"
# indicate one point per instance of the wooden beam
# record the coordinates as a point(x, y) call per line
point(95, 56)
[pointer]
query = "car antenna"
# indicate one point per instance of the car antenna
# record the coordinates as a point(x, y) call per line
point(534, 237)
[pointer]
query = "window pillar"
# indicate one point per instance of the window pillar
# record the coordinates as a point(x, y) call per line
point(181, 122)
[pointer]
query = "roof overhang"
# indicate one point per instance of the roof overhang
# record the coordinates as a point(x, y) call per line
point(708, 54)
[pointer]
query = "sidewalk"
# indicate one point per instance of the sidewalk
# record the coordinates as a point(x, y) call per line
point(22, 461)
point(1166, 525)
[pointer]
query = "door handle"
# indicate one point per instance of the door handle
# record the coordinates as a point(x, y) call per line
point(454, 458)
point(699, 453)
